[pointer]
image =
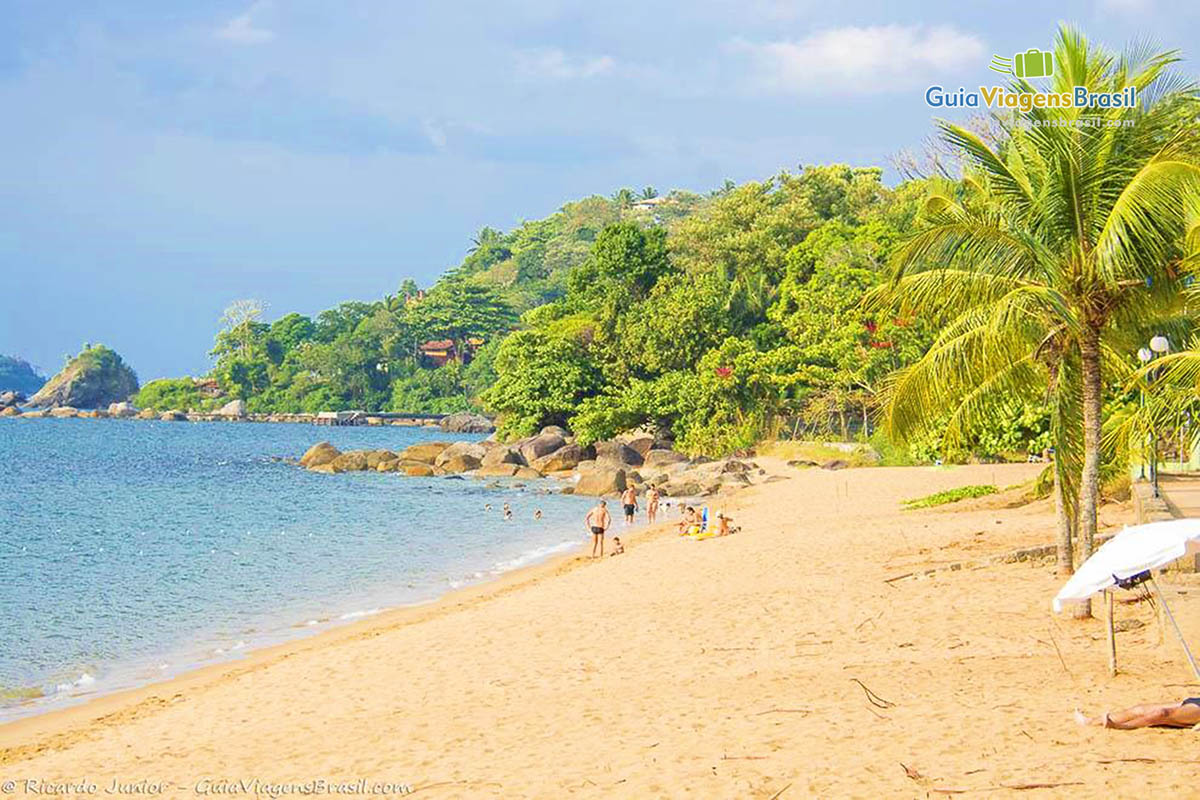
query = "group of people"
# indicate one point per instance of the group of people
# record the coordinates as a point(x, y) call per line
point(598, 520)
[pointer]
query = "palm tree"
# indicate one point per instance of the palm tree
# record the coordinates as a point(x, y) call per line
point(1074, 236)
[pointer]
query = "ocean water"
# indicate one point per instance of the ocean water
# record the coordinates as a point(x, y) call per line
point(131, 550)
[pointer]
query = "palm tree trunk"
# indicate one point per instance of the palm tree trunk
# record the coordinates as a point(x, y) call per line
point(1061, 510)
point(1089, 479)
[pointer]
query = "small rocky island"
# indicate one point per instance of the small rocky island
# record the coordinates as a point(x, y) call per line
point(93, 379)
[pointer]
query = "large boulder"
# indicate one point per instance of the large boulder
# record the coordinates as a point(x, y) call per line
point(64, 412)
point(567, 457)
point(617, 454)
point(377, 457)
point(497, 470)
point(557, 430)
point(466, 422)
point(462, 462)
point(641, 442)
point(350, 461)
point(122, 409)
point(146, 413)
point(10, 411)
point(416, 469)
point(11, 398)
point(234, 409)
point(527, 473)
point(662, 459)
point(681, 489)
point(502, 454)
point(543, 444)
point(601, 481)
point(425, 452)
point(92, 379)
point(319, 454)
point(471, 451)
point(174, 415)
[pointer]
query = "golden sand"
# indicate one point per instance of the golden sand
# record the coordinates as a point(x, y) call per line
point(729, 668)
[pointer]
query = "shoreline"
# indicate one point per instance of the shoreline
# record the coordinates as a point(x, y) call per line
point(727, 667)
point(302, 638)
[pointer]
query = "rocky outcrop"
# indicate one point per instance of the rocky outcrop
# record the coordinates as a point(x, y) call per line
point(566, 457)
point(497, 471)
point(64, 412)
point(502, 454)
point(662, 459)
point(601, 480)
point(124, 409)
point(93, 379)
point(416, 469)
point(425, 452)
point(11, 398)
point(174, 415)
point(10, 411)
point(234, 409)
point(543, 444)
point(377, 457)
point(350, 461)
point(466, 422)
point(617, 454)
point(319, 455)
point(453, 457)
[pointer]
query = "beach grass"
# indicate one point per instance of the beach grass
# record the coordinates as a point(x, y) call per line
point(950, 496)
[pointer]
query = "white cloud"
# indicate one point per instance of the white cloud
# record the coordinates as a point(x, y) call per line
point(554, 63)
point(861, 60)
point(241, 29)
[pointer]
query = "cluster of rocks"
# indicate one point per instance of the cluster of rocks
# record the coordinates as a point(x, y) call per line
point(604, 468)
point(9, 402)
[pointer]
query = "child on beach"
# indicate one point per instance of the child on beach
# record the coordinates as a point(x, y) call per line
point(689, 524)
point(618, 548)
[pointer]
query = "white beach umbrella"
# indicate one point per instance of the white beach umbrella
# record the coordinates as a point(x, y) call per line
point(1134, 553)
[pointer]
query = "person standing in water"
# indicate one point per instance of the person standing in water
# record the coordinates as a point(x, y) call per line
point(597, 521)
point(652, 497)
point(629, 499)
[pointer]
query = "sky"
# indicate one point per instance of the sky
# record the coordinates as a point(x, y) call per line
point(159, 160)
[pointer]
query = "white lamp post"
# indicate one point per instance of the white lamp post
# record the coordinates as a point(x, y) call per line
point(1159, 345)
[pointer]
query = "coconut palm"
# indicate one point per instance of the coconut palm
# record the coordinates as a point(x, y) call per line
point(1067, 230)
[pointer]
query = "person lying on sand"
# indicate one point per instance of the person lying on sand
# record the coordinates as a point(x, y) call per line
point(618, 548)
point(1166, 715)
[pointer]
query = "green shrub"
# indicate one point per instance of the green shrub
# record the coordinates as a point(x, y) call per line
point(951, 496)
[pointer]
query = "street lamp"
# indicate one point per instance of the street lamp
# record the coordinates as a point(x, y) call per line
point(1159, 345)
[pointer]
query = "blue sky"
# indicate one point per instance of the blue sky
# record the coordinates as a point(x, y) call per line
point(162, 159)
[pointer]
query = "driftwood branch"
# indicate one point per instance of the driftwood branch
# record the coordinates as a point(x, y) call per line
point(873, 698)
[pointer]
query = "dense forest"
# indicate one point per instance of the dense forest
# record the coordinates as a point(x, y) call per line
point(715, 319)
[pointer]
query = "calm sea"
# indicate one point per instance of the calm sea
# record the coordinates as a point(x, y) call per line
point(130, 550)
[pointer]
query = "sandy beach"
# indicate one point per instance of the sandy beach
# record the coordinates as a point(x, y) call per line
point(737, 667)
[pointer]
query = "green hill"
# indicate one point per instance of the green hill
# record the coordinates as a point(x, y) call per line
point(17, 375)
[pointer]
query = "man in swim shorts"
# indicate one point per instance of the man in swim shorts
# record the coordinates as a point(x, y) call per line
point(629, 499)
point(597, 521)
point(1150, 715)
